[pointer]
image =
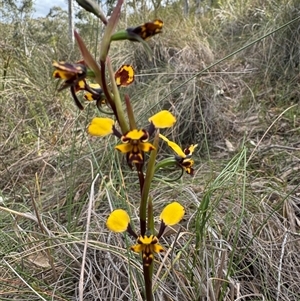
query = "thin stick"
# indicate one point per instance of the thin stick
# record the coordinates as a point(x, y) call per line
point(91, 200)
point(280, 265)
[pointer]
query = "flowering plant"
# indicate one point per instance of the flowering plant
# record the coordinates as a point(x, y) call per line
point(135, 141)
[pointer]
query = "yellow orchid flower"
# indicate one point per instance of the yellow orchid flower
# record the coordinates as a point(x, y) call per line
point(138, 33)
point(119, 221)
point(148, 246)
point(135, 145)
point(135, 142)
point(183, 157)
point(72, 74)
point(147, 30)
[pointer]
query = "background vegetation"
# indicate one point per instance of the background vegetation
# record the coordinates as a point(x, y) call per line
point(240, 236)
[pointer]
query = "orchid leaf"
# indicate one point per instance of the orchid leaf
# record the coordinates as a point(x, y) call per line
point(110, 28)
point(88, 58)
point(92, 7)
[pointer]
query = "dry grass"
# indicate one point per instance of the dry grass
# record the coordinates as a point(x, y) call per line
point(240, 236)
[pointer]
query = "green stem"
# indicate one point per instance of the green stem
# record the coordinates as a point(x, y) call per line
point(105, 89)
point(88, 58)
point(150, 226)
point(128, 35)
point(117, 100)
point(171, 161)
point(141, 176)
point(110, 28)
point(150, 219)
point(148, 282)
point(147, 184)
point(130, 113)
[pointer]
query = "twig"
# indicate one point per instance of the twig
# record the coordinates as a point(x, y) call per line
point(250, 295)
point(279, 147)
point(280, 265)
point(91, 199)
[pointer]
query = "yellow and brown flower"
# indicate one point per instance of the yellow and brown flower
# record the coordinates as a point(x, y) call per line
point(72, 74)
point(135, 142)
point(147, 30)
point(139, 33)
point(147, 245)
point(182, 157)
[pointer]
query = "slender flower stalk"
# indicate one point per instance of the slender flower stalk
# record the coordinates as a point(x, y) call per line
point(88, 58)
point(146, 187)
point(130, 114)
point(91, 6)
point(117, 100)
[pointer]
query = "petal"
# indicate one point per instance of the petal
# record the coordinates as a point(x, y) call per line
point(172, 214)
point(118, 221)
point(135, 157)
point(62, 74)
point(124, 148)
point(163, 119)
point(68, 70)
point(176, 148)
point(80, 85)
point(192, 147)
point(189, 151)
point(146, 146)
point(101, 126)
point(157, 248)
point(124, 76)
point(187, 165)
point(135, 134)
point(148, 29)
point(96, 95)
point(137, 248)
point(146, 240)
point(189, 170)
point(95, 86)
point(89, 96)
point(147, 258)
